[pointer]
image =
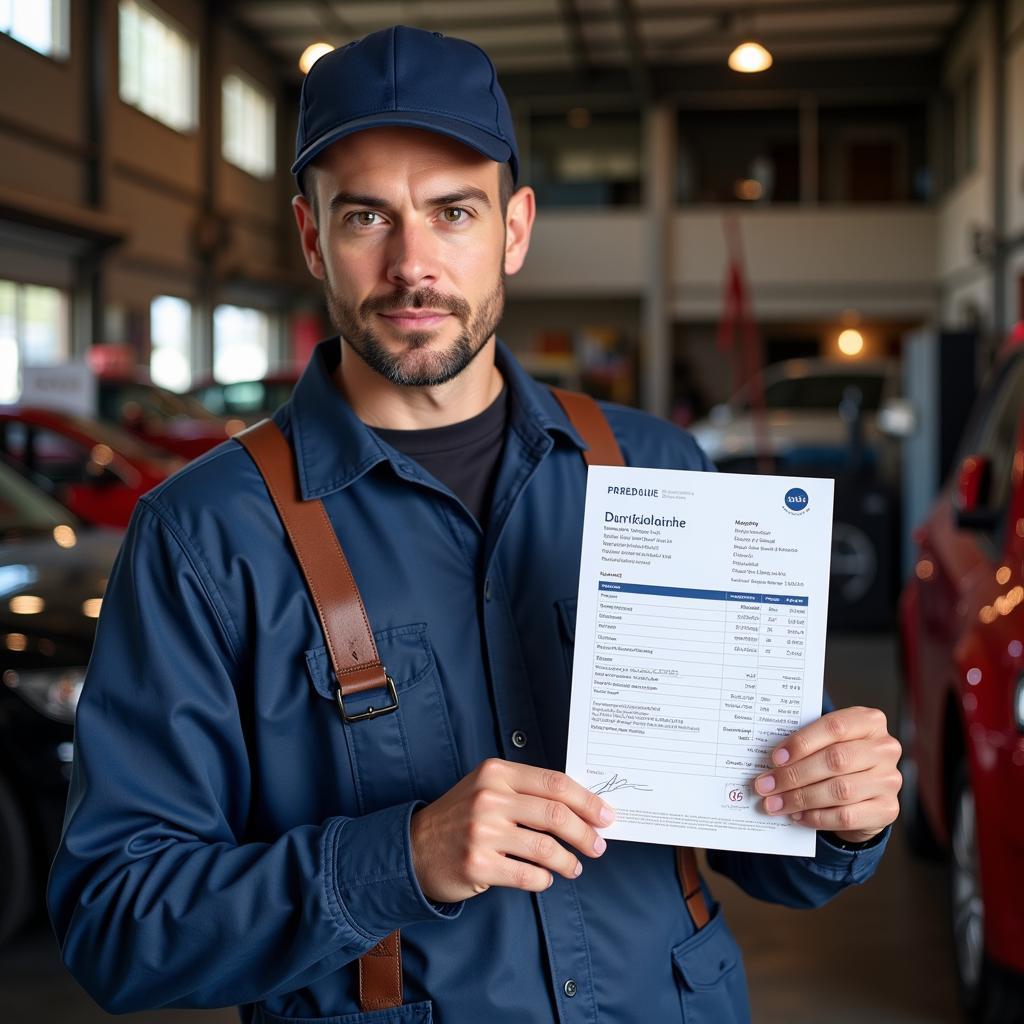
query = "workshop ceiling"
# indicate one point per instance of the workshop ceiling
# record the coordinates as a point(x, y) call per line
point(591, 36)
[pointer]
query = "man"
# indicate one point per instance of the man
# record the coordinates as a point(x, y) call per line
point(229, 838)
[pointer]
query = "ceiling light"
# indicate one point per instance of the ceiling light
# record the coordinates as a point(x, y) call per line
point(851, 342)
point(311, 54)
point(749, 189)
point(26, 604)
point(750, 57)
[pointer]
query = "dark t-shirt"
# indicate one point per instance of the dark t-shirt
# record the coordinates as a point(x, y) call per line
point(463, 456)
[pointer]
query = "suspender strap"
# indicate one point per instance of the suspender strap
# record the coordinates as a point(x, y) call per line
point(353, 653)
point(603, 450)
point(590, 423)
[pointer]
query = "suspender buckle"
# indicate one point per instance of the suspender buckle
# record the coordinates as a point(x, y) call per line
point(371, 711)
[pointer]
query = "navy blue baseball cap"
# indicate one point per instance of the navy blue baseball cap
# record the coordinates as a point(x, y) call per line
point(406, 77)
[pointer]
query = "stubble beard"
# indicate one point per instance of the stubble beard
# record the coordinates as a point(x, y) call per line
point(416, 366)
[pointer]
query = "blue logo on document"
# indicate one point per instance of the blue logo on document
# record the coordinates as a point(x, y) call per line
point(797, 500)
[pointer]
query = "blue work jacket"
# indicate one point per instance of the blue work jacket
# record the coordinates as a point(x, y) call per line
point(229, 841)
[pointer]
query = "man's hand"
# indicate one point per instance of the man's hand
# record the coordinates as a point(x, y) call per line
point(465, 841)
point(838, 773)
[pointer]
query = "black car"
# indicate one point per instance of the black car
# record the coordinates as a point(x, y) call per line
point(53, 571)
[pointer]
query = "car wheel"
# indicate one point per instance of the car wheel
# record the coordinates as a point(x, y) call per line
point(918, 832)
point(990, 994)
point(16, 889)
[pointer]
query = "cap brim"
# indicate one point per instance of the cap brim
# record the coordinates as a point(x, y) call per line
point(476, 138)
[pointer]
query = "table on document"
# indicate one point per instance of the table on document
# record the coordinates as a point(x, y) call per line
point(694, 682)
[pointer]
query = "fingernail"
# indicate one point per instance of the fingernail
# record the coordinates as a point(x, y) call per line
point(607, 815)
point(579, 869)
point(766, 785)
point(773, 803)
point(781, 756)
point(796, 815)
point(600, 846)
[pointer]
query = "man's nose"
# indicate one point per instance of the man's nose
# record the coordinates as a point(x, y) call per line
point(412, 259)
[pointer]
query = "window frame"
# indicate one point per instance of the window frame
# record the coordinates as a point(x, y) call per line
point(168, 22)
point(248, 82)
point(60, 34)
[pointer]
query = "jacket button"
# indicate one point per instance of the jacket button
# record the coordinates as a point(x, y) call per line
point(519, 739)
point(569, 988)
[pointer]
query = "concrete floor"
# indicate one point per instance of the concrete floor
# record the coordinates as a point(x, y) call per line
point(879, 953)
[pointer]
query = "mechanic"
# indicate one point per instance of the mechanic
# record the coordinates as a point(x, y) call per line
point(236, 833)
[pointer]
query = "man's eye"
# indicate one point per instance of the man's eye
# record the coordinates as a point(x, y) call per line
point(364, 218)
point(454, 214)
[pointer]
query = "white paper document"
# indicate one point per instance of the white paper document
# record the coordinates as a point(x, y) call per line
point(700, 644)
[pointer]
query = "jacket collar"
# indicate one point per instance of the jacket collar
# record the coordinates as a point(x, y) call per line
point(334, 448)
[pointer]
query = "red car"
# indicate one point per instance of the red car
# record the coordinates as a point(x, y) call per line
point(98, 472)
point(174, 422)
point(962, 623)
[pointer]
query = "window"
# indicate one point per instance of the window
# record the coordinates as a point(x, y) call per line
point(39, 24)
point(170, 331)
point(248, 121)
point(873, 154)
point(728, 156)
point(584, 158)
point(241, 344)
point(34, 331)
point(157, 63)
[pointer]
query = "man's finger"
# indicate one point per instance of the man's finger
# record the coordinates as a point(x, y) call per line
point(552, 785)
point(836, 792)
point(552, 816)
point(542, 850)
point(869, 816)
point(837, 759)
point(835, 727)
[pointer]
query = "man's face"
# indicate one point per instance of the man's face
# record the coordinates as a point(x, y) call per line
point(412, 247)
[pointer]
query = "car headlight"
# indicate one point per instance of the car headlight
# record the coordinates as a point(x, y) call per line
point(1018, 704)
point(52, 692)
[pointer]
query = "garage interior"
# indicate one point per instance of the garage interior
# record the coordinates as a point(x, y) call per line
point(716, 247)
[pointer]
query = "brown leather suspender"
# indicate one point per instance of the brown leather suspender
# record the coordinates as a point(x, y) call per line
point(350, 644)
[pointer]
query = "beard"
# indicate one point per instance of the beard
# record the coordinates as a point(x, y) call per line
point(418, 365)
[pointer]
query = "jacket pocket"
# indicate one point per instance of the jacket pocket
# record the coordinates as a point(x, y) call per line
point(408, 1013)
point(407, 754)
point(713, 984)
point(566, 611)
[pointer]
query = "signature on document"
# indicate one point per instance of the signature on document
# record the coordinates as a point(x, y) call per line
point(616, 783)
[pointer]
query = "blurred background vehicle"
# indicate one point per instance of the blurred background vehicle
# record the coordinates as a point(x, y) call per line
point(962, 715)
point(96, 470)
point(801, 423)
point(160, 417)
point(247, 400)
point(53, 572)
point(818, 417)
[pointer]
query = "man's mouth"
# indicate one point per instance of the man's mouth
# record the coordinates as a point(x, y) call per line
point(416, 319)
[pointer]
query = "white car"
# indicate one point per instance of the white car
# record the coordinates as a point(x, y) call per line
point(808, 408)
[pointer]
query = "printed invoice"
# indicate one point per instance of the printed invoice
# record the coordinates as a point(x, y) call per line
point(700, 644)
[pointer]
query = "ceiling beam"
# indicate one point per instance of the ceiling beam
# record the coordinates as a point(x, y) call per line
point(570, 15)
point(697, 12)
point(635, 49)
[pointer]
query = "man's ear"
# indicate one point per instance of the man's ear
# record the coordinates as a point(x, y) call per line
point(522, 209)
point(309, 236)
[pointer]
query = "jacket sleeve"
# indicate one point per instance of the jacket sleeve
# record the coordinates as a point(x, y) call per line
point(154, 899)
point(802, 882)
